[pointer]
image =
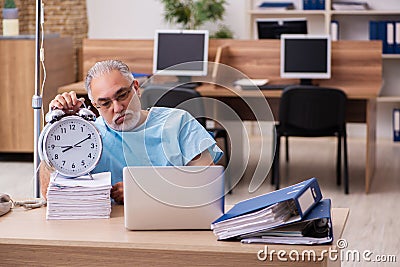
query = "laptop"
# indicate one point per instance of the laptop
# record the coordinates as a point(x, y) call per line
point(172, 197)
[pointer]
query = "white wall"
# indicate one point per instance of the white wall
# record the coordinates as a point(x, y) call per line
point(138, 19)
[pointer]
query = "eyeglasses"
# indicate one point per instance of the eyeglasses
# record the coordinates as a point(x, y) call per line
point(121, 95)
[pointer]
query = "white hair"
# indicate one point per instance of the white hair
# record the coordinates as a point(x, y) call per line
point(104, 67)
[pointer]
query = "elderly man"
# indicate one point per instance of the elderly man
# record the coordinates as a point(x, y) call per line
point(132, 136)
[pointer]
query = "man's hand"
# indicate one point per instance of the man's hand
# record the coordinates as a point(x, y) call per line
point(117, 193)
point(202, 159)
point(44, 174)
point(66, 101)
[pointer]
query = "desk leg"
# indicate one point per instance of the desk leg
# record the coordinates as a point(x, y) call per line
point(371, 143)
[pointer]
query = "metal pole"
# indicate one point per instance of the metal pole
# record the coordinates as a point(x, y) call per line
point(37, 102)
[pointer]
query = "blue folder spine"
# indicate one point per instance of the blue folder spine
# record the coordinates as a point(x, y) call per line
point(382, 35)
point(307, 5)
point(390, 37)
point(396, 125)
point(313, 4)
point(373, 30)
point(397, 37)
point(321, 210)
point(320, 5)
point(308, 197)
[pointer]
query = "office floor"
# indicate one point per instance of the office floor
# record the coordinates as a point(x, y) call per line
point(373, 222)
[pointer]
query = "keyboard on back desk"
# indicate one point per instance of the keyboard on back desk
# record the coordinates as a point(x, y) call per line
point(274, 86)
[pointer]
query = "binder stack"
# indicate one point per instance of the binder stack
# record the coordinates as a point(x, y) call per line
point(388, 32)
point(291, 215)
point(313, 4)
point(83, 197)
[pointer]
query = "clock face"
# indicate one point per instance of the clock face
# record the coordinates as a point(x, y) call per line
point(72, 146)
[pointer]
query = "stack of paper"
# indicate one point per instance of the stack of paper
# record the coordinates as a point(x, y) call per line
point(314, 228)
point(269, 217)
point(83, 197)
point(265, 212)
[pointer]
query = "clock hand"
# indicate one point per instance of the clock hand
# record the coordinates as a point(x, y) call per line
point(66, 148)
point(76, 145)
point(59, 146)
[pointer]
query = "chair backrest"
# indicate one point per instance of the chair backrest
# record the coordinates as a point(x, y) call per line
point(182, 98)
point(312, 110)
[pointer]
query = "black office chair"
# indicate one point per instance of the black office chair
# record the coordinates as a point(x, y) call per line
point(312, 111)
point(186, 99)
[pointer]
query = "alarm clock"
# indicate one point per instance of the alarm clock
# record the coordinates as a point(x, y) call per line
point(70, 144)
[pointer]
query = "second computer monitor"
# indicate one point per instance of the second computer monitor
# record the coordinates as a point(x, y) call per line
point(180, 52)
point(305, 57)
point(273, 28)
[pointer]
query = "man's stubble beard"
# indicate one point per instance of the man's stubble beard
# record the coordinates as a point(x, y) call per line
point(130, 122)
point(132, 116)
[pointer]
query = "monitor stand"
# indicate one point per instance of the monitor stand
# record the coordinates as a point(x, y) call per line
point(184, 82)
point(184, 79)
point(306, 82)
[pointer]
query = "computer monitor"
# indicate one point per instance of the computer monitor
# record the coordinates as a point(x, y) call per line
point(305, 57)
point(273, 28)
point(174, 47)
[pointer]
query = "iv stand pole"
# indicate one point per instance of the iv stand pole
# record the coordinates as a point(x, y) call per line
point(37, 102)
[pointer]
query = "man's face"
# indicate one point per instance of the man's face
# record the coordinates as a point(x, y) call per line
point(117, 100)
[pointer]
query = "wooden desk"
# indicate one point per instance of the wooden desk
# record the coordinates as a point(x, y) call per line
point(360, 109)
point(26, 238)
